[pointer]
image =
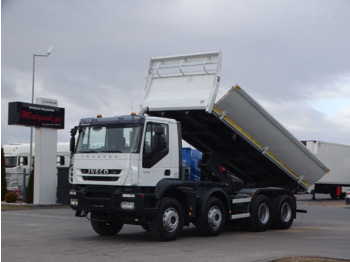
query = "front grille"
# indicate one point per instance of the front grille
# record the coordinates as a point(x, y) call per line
point(100, 178)
point(100, 191)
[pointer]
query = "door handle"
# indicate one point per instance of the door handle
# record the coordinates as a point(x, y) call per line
point(167, 172)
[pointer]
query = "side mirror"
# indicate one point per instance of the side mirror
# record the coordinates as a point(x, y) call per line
point(159, 143)
point(72, 144)
point(60, 160)
point(73, 132)
point(23, 161)
point(159, 130)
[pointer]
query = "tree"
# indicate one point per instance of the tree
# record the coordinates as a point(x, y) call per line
point(3, 176)
point(30, 187)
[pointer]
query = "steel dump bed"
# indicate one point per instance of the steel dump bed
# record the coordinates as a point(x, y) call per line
point(255, 147)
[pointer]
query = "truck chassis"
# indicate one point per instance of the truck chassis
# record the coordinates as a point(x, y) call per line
point(172, 204)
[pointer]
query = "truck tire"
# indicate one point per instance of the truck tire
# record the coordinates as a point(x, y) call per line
point(213, 218)
point(169, 221)
point(333, 195)
point(145, 226)
point(282, 212)
point(260, 214)
point(106, 228)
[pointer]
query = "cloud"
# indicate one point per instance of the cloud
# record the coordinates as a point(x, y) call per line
point(290, 56)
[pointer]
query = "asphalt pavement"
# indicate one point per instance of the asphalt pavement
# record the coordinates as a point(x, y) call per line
point(55, 234)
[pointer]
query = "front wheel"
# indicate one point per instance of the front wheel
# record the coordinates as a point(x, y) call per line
point(213, 218)
point(169, 221)
point(106, 228)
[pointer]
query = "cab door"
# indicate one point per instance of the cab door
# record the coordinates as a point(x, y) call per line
point(156, 162)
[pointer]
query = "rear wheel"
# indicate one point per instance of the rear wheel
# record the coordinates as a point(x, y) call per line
point(333, 195)
point(282, 210)
point(106, 228)
point(169, 221)
point(213, 219)
point(260, 214)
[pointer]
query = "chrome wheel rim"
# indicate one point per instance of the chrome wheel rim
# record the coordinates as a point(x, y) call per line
point(214, 217)
point(264, 213)
point(170, 220)
point(286, 212)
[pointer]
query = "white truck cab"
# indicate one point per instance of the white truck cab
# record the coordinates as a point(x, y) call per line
point(123, 150)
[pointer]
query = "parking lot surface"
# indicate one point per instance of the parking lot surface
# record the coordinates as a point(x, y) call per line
point(55, 234)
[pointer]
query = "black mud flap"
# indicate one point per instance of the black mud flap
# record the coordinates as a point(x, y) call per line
point(301, 211)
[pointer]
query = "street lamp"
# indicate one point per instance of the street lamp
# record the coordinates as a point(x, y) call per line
point(49, 50)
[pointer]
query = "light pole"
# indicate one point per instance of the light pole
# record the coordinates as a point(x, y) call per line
point(31, 128)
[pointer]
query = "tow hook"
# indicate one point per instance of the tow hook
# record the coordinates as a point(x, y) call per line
point(79, 213)
point(99, 217)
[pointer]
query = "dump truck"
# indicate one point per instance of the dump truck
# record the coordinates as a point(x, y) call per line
point(337, 157)
point(128, 169)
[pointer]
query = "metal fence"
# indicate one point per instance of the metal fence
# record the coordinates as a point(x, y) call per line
point(17, 182)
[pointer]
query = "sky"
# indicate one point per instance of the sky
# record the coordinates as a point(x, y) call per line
point(291, 56)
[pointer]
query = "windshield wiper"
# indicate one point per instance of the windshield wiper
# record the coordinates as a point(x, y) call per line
point(111, 151)
point(87, 151)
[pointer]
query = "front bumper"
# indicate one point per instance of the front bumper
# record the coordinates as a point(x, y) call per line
point(347, 200)
point(117, 201)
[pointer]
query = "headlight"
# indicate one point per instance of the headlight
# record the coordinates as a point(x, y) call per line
point(127, 205)
point(74, 202)
point(128, 195)
point(70, 176)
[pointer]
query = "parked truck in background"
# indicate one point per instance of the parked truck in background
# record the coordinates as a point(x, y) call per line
point(337, 158)
point(128, 169)
point(17, 163)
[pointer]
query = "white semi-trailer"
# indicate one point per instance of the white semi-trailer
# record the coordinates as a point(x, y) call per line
point(337, 158)
point(127, 169)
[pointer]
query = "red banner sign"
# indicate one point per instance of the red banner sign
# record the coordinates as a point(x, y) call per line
point(35, 115)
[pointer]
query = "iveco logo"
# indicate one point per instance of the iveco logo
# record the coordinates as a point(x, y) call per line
point(98, 171)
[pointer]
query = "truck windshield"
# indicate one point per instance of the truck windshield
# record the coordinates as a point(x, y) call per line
point(10, 161)
point(109, 138)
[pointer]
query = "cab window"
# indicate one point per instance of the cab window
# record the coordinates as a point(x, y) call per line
point(156, 144)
